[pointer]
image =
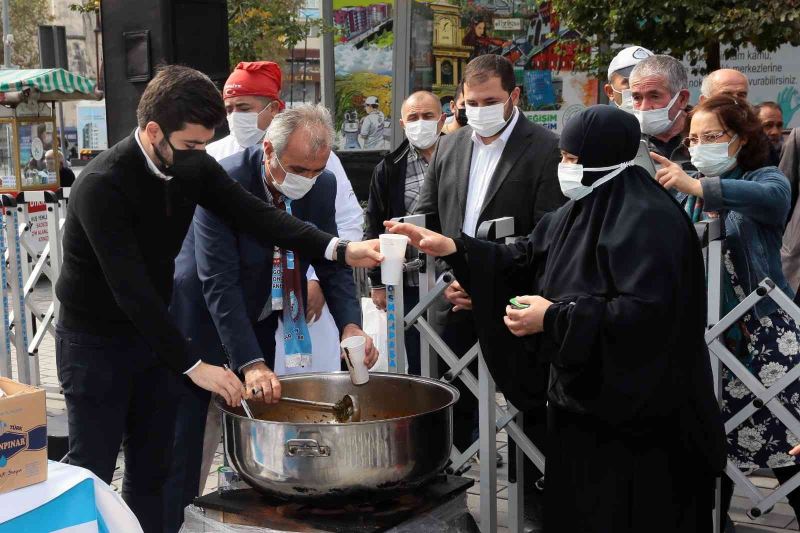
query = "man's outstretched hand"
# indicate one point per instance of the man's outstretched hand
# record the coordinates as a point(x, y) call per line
point(364, 254)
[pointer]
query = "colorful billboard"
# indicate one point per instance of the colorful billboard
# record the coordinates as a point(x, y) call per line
point(363, 41)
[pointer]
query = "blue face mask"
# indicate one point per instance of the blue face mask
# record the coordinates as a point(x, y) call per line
point(570, 176)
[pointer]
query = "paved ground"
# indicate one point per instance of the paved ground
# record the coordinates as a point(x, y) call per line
point(780, 519)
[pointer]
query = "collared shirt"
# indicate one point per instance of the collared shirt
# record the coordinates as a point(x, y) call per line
point(416, 166)
point(349, 214)
point(150, 164)
point(485, 158)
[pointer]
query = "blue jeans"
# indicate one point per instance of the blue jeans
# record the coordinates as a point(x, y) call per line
point(119, 393)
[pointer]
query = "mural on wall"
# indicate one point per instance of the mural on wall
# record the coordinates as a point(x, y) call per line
point(526, 32)
point(363, 65)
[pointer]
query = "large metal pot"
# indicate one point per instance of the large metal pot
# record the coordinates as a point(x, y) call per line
point(404, 437)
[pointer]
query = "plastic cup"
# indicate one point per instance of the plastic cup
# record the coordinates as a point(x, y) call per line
point(354, 349)
point(393, 248)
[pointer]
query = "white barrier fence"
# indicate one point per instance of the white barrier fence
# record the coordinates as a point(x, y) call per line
point(25, 324)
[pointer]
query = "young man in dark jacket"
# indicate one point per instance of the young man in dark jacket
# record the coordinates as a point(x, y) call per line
point(118, 351)
point(395, 191)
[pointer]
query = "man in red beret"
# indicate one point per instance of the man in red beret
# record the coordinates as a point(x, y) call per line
point(252, 99)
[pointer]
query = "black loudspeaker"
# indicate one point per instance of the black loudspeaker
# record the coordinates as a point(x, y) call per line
point(140, 36)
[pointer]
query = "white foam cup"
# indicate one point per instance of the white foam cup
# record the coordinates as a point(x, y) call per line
point(393, 248)
point(354, 349)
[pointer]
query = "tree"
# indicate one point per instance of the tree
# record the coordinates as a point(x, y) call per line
point(25, 18)
point(698, 30)
point(264, 29)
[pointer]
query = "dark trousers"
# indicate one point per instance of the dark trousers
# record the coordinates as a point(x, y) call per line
point(460, 337)
point(184, 474)
point(119, 393)
point(182, 485)
point(410, 299)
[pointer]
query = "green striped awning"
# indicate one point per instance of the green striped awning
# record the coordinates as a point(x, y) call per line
point(47, 80)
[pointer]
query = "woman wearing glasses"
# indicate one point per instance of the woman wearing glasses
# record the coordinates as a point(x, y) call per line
point(729, 149)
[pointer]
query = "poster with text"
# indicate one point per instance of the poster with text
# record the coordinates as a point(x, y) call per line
point(774, 76)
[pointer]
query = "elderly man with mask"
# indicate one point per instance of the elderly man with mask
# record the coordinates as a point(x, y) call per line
point(233, 293)
point(395, 190)
point(619, 70)
point(251, 95)
point(660, 92)
point(725, 81)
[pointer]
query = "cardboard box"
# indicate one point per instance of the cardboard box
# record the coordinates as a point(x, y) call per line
point(23, 435)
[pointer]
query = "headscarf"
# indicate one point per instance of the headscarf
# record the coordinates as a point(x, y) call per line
point(601, 136)
point(257, 78)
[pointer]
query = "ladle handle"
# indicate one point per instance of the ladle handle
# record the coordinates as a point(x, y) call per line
point(323, 405)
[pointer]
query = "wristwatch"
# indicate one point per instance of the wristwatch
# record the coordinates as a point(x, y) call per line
point(341, 251)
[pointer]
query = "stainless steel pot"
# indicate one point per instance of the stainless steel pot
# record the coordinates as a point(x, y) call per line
point(404, 437)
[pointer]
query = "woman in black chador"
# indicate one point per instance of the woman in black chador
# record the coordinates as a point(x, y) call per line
point(618, 308)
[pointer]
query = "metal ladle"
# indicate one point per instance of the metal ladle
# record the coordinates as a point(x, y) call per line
point(345, 410)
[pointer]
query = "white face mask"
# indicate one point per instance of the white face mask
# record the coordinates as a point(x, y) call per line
point(657, 121)
point(488, 120)
point(712, 160)
point(570, 176)
point(294, 186)
point(627, 100)
point(422, 134)
point(244, 127)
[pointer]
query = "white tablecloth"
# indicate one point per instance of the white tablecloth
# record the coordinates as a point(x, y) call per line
point(72, 500)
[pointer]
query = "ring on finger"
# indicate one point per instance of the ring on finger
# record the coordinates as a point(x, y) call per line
point(256, 391)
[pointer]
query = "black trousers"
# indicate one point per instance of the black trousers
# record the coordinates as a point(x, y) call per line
point(118, 393)
point(187, 440)
point(411, 299)
point(460, 337)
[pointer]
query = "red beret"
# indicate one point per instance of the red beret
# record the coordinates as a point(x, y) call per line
point(259, 78)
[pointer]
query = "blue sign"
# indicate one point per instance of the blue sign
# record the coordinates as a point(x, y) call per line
point(539, 88)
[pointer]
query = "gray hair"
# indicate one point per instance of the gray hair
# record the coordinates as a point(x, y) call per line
point(665, 66)
point(316, 119)
point(707, 86)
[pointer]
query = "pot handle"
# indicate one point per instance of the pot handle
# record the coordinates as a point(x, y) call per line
point(306, 448)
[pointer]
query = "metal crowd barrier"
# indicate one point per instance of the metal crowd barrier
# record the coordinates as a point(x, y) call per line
point(492, 416)
point(711, 235)
point(24, 323)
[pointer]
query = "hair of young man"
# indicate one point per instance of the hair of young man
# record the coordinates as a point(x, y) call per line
point(179, 95)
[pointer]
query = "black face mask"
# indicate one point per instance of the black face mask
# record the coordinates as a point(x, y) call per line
point(461, 117)
point(180, 158)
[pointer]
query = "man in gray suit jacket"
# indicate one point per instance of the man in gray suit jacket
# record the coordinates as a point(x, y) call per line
point(500, 165)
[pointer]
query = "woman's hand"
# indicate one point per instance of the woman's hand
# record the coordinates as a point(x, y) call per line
point(218, 380)
point(795, 450)
point(427, 241)
point(672, 176)
point(522, 322)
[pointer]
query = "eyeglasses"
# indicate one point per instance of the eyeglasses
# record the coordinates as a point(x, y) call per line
point(706, 138)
